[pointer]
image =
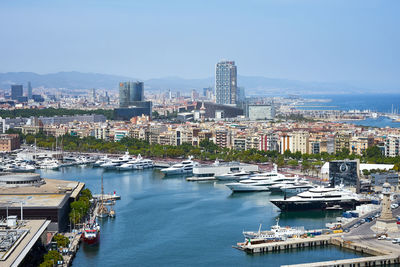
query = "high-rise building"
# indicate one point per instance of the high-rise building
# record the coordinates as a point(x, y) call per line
point(130, 92)
point(29, 95)
point(17, 90)
point(241, 95)
point(136, 91)
point(93, 94)
point(226, 82)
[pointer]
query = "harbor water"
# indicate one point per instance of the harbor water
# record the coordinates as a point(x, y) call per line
point(171, 222)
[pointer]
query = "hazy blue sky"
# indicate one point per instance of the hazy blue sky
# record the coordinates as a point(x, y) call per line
point(311, 40)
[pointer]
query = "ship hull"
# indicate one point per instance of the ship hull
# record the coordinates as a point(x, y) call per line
point(91, 240)
point(313, 205)
point(247, 188)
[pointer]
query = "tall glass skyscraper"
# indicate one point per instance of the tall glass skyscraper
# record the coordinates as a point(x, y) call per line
point(129, 92)
point(16, 91)
point(226, 82)
point(29, 95)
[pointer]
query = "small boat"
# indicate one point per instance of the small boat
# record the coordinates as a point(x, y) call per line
point(275, 233)
point(112, 213)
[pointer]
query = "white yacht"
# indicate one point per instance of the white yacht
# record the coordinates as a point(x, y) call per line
point(233, 176)
point(101, 161)
point(249, 185)
point(114, 163)
point(260, 182)
point(137, 164)
point(51, 164)
point(276, 233)
point(276, 186)
point(210, 171)
point(297, 187)
point(319, 198)
point(184, 167)
point(110, 165)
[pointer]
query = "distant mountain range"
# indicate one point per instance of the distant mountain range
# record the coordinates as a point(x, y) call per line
point(254, 85)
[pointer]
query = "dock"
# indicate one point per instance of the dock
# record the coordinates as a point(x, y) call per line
point(381, 254)
point(107, 197)
point(289, 244)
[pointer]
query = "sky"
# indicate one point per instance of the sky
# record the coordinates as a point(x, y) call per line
point(354, 41)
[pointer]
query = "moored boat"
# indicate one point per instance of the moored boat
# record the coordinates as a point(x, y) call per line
point(91, 232)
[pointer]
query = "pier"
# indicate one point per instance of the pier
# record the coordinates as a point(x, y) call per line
point(383, 253)
point(107, 197)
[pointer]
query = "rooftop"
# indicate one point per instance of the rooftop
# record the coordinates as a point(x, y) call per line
point(20, 248)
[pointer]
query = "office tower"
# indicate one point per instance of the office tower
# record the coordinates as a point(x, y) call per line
point(93, 94)
point(130, 92)
point(29, 95)
point(131, 101)
point(225, 82)
point(195, 95)
point(16, 91)
point(241, 95)
point(136, 91)
point(124, 94)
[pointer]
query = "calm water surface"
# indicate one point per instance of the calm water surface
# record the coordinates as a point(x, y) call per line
point(172, 222)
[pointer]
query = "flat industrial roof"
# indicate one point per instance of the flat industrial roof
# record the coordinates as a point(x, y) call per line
point(50, 194)
point(22, 248)
point(41, 201)
point(51, 186)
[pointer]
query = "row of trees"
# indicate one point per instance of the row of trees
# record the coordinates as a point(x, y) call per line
point(50, 112)
point(80, 207)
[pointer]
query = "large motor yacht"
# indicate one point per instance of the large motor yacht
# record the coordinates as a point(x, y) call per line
point(233, 176)
point(137, 164)
point(318, 198)
point(113, 164)
point(184, 167)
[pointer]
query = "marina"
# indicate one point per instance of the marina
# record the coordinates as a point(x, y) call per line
point(189, 205)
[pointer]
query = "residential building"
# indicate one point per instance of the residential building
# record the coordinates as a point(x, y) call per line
point(268, 142)
point(392, 146)
point(359, 144)
point(9, 142)
point(342, 140)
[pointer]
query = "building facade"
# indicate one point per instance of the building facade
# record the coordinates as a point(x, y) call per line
point(9, 142)
point(226, 82)
point(130, 92)
point(17, 90)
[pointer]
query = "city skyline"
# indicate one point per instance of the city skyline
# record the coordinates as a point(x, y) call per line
point(302, 40)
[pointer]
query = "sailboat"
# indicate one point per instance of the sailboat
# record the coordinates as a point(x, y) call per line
point(102, 210)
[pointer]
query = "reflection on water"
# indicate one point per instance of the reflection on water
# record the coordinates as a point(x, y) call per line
point(171, 222)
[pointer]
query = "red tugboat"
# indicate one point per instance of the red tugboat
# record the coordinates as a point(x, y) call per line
point(91, 232)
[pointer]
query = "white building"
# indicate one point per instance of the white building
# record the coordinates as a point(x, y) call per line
point(261, 112)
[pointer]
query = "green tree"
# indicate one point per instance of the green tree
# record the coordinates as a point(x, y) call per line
point(52, 256)
point(62, 241)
